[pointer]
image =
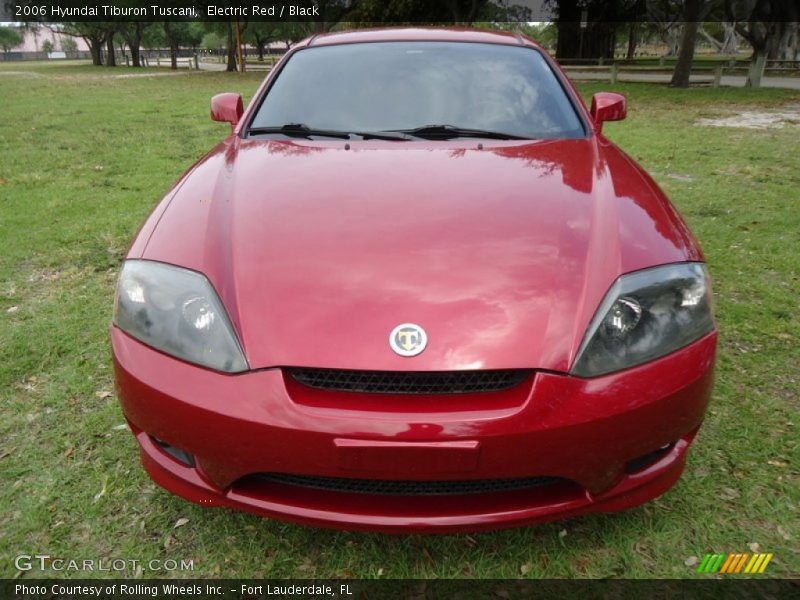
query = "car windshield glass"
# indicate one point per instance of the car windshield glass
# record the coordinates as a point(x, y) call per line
point(402, 86)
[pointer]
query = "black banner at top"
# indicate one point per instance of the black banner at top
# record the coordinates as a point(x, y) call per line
point(376, 11)
point(399, 11)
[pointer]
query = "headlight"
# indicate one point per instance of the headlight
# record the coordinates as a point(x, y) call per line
point(645, 315)
point(176, 311)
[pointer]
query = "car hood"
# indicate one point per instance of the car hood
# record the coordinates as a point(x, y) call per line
point(501, 251)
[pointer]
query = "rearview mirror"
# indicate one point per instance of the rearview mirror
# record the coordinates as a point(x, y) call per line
point(227, 107)
point(608, 106)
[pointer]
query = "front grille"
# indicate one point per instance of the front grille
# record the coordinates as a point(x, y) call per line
point(409, 382)
point(409, 488)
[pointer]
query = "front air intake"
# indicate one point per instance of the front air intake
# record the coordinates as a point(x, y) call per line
point(409, 488)
point(409, 382)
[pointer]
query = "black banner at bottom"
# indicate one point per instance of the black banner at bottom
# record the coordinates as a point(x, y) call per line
point(428, 589)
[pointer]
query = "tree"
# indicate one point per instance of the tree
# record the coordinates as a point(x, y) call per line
point(194, 36)
point(225, 32)
point(213, 41)
point(132, 32)
point(233, 46)
point(464, 11)
point(94, 34)
point(153, 38)
point(367, 13)
point(694, 11)
point(633, 39)
point(764, 24)
point(181, 33)
point(111, 59)
point(722, 35)
point(667, 17)
point(331, 12)
point(262, 33)
point(730, 39)
point(173, 32)
point(602, 19)
point(68, 45)
point(47, 46)
point(289, 33)
point(541, 33)
point(9, 38)
point(545, 34)
point(683, 68)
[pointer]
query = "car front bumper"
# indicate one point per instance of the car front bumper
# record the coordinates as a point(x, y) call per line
point(589, 434)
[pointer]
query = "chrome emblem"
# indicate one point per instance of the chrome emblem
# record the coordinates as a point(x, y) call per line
point(408, 339)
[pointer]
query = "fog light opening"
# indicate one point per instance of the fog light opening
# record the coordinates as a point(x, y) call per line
point(181, 456)
point(642, 462)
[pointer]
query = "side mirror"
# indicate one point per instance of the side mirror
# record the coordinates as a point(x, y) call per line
point(227, 107)
point(608, 106)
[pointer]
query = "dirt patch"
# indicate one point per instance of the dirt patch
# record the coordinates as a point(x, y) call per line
point(680, 177)
point(20, 73)
point(121, 76)
point(136, 75)
point(787, 116)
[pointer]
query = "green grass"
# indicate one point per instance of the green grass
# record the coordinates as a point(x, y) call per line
point(86, 155)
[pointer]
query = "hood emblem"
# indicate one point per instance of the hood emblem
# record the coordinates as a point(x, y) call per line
point(408, 339)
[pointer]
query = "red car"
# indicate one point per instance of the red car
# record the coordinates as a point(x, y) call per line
point(415, 289)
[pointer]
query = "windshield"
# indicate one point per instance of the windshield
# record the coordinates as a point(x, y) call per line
point(403, 86)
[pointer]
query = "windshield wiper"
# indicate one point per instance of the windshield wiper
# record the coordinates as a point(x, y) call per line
point(304, 131)
point(299, 130)
point(384, 135)
point(447, 132)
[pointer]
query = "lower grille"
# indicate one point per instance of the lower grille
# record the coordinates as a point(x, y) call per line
point(409, 382)
point(409, 488)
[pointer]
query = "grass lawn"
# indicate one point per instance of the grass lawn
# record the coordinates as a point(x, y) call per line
point(85, 153)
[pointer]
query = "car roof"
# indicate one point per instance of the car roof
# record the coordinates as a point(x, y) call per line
point(431, 34)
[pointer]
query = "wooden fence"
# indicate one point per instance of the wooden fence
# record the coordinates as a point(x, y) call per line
point(611, 73)
point(702, 73)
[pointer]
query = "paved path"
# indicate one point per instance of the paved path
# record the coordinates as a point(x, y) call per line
point(767, 81)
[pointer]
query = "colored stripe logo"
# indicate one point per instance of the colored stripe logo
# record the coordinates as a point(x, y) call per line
point(733, 564)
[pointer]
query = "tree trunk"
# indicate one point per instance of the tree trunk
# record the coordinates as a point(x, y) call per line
point(672, 38)
point(683, 68)
point(709, 38)
point(136, 60)
point(475, 6)
point(780, 42)
point(94, 50)
point(766, 25)
point(568, 39)
point(633, 40)
point(730, 44)
point(794, 49)
point(568, 27)
point(231, 49)
point(95, 44)
point(173, 47)
point(111, 60)
point(135, 44)
point(775, 39)
point(260, 46)
point(756, 69)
